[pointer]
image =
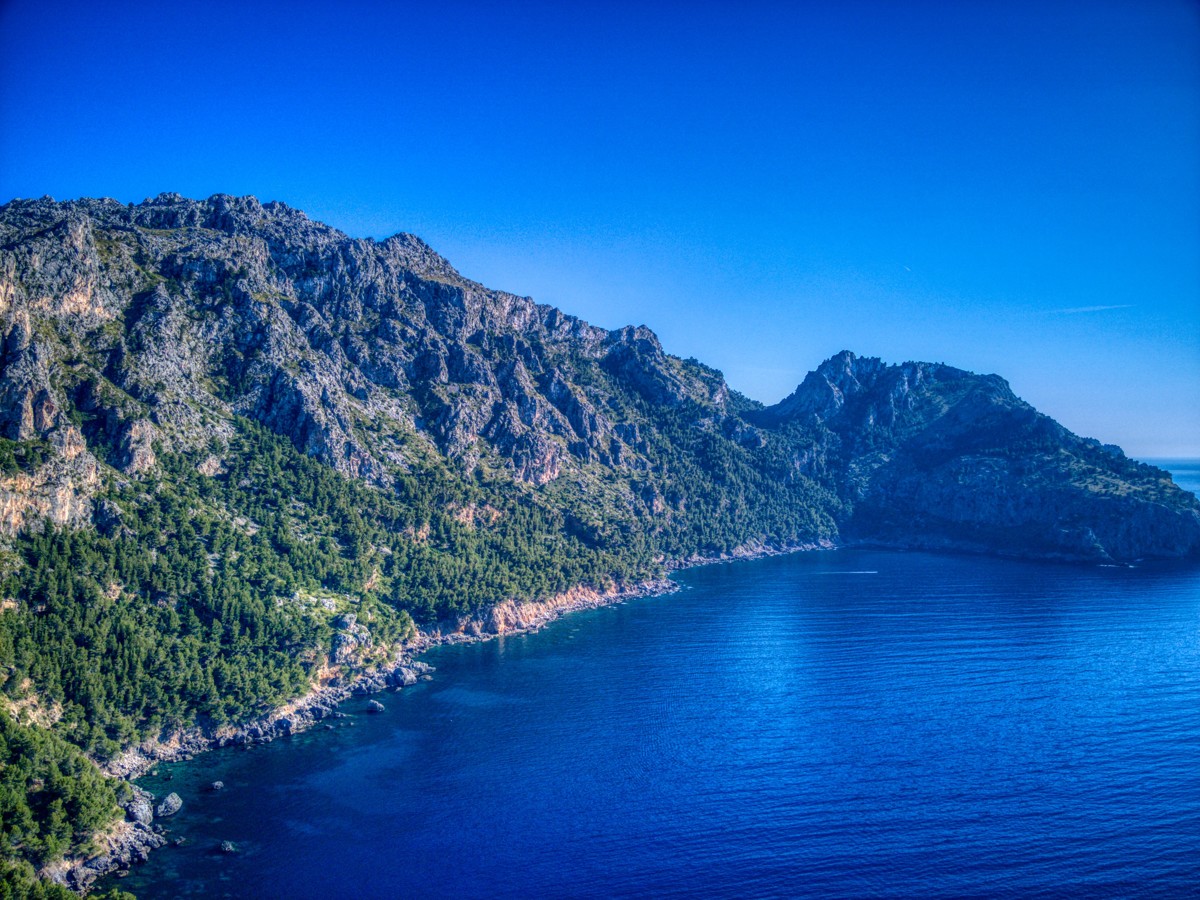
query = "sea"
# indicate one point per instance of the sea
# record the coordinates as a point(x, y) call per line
point(826, 724)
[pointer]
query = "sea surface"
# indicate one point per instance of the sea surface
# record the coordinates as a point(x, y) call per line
point(826, 724)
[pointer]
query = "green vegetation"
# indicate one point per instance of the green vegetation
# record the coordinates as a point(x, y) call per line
point(19, 881)
point(191, 610)
point(22, 456)
point(51, 796)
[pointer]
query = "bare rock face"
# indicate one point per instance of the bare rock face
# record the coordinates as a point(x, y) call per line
point(140, 810)
point(137, 447)
point(196, 310)
point(27, 406)
point(349, 639)
point(57, 490)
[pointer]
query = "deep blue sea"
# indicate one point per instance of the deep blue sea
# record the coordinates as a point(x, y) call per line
point(825, 724)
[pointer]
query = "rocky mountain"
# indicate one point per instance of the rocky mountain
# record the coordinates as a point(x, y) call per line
point(245, 458)
point(932, 456)
point(131, 328)
point(153, 326)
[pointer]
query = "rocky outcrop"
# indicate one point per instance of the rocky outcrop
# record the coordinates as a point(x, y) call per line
point(137, 447)
point(127, 842)
point(348, 640)
point(141, 808)
point(28, 406)
point(57, 488)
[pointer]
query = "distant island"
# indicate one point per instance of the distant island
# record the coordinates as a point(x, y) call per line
point(248, 463)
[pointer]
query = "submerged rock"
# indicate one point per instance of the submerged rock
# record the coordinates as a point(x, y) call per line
point(375, 706)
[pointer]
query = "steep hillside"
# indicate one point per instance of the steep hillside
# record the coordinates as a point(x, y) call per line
point(133, 331)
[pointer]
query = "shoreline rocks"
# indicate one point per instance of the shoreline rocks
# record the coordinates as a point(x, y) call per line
point(507, 618)
point(125, 844)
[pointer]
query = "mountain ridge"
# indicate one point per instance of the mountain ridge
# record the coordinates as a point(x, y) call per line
point(319, 332)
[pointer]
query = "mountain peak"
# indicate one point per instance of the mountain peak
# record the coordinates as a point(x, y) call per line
point(864, 389)
point(421, 258)
point(827, 389)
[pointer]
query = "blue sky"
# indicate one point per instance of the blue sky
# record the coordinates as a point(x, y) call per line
point(1008, 187)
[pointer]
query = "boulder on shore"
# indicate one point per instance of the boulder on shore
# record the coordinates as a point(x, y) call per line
point(140, 810)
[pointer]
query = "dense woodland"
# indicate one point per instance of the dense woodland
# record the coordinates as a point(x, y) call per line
point(195, 602)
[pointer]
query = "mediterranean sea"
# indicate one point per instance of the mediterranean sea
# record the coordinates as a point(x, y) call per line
point(838, 723)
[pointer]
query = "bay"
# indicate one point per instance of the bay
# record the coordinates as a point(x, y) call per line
point(825, 724)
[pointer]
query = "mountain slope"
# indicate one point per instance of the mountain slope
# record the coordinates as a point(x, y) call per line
point(160, 323)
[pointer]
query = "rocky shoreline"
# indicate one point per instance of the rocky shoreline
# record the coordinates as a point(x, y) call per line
point(749, 550)
point(131, 840)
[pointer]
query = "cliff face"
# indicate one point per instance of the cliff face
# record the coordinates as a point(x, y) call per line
point(159, 321)
point(130, 331)
point(932, 456)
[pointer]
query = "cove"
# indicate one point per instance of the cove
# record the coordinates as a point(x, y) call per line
point(824, 724)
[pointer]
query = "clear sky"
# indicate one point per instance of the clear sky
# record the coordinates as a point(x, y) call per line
point(1009, 187)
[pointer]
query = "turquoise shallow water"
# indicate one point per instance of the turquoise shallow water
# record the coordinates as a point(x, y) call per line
point(828, 724)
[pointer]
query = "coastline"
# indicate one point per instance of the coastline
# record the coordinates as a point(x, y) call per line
point(130, 840)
